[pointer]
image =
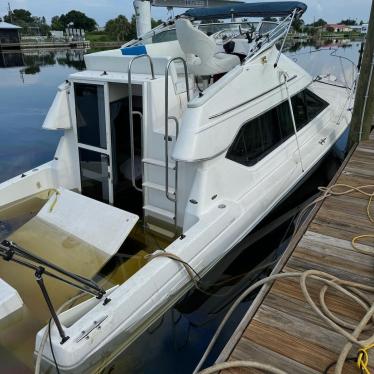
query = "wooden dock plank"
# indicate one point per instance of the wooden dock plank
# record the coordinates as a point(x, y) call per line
point(281, 328)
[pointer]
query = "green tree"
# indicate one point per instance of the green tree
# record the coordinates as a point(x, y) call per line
point(155, 23)
point(298, 24)
point(348, 22)
point(31, 24)
point(118, 28)
point(133, 33)
point(56, 24)
point(320, 23)
point(20, 17)
point(41, 24)
point(78, 19)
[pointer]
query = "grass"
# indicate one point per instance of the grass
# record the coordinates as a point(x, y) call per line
point(98, 36)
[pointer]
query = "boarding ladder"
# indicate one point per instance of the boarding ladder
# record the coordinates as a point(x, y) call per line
point(152, 206)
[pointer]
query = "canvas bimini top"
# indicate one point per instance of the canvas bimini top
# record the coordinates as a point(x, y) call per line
point(271, 9)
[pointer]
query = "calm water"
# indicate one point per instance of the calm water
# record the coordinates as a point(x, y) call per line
point(26, 92)
point(176, 341)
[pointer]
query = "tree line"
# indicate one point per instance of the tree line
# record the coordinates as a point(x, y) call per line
point(119, 28)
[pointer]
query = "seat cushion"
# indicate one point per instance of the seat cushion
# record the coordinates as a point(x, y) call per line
point(220, 63)
point(200, 51)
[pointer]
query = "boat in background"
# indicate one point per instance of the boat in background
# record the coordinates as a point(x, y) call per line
point(198, 129)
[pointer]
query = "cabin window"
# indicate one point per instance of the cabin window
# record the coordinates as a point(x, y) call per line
point(307, 106)
point(90, 114)
point(260, 136)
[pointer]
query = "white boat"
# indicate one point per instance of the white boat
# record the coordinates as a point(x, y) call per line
point(199, 129)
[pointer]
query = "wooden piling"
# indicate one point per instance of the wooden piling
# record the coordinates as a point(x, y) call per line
point(363, 111)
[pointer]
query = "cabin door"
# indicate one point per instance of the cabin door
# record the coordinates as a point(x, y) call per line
point(94, 140)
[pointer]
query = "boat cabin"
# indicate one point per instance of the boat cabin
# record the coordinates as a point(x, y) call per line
point(126, 109)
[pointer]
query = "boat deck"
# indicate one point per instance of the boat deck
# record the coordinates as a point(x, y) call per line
point(280, 328)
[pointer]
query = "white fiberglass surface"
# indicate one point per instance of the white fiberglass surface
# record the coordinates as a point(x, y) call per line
point(19, 223)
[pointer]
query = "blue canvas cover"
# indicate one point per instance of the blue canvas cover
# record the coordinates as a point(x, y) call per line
point(272, 9)
point(135, 50)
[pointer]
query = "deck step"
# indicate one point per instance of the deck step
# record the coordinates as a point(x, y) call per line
point(158, 187)
point(162, 213)
point(160, 163)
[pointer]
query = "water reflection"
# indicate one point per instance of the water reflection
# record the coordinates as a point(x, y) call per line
point(28, 81)
point(11, 59)
point(32, 61)
point(334, 57)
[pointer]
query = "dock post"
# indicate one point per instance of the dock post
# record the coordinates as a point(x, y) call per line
point(363, 111)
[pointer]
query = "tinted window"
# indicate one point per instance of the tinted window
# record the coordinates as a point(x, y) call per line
point(299, 110)
point(90, 113)
point(94, 174)
point(259, 137)
point(314, 104)
point(306, 106)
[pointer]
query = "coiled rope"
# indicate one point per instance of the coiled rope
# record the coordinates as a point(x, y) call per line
point(349, 289)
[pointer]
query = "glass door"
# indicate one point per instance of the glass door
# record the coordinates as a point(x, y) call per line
point(94, 144)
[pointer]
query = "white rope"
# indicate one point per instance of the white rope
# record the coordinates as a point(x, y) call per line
point(242, 364)
point(285, 76)
point(45, 336)
point(328, 281)
point(349, 289)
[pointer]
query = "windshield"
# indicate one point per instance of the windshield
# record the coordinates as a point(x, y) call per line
point(267, 27)
point(234, 28)
point(167, 35)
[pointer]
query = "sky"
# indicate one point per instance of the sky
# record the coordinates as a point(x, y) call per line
point(102, 10)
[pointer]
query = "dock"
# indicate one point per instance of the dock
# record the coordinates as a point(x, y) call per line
point(280, 328)
point(26, 45)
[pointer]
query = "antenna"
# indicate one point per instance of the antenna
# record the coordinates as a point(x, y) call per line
point(10, 13)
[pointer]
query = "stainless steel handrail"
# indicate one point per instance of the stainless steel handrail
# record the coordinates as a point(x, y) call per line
point(167, 118)
point(132, 151)
point(171, 198)
point(131, 116)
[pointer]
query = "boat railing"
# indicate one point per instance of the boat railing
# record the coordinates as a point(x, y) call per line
point(132, 113)
point(269, 39)
point(169, 196)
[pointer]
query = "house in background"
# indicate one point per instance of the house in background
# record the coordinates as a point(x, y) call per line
point(337, 28)
point(364, 28)
point(9, 36)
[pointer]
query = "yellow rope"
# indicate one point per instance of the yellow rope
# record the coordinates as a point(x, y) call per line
point(331, 191)
point(54, 202)
point(363, 359)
